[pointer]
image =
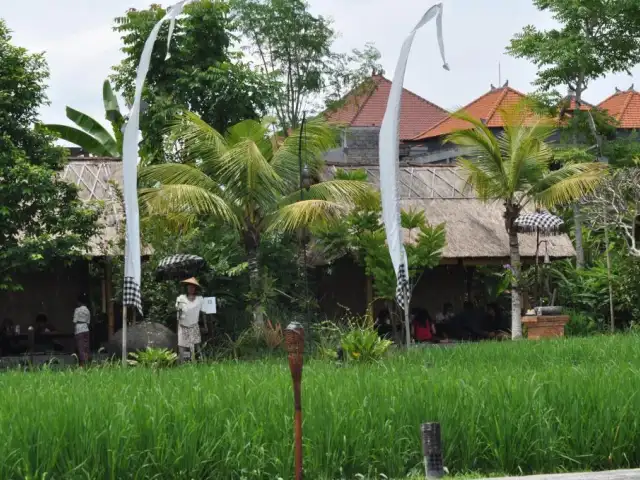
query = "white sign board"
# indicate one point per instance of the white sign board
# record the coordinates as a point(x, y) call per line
point(209, 305)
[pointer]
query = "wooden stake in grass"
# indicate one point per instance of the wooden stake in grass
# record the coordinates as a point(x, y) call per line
point(432, 450)
point(294, 339)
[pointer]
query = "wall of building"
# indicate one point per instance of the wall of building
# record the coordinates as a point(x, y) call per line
point(342, 289)
point(53, 292)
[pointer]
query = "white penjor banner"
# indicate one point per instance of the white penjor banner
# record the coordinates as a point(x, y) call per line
point(389, 158)
point(131, 291)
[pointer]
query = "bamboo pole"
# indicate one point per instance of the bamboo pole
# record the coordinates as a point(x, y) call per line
point(124, 335)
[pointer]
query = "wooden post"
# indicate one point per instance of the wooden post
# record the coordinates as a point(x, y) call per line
point(432, 450)
point(294, 339)
point(124, 335)
point(111, 315)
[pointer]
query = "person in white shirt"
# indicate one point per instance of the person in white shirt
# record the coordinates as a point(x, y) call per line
point(81, 320)
point(188, 307)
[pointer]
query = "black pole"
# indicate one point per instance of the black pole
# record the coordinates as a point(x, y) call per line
point(302, 168)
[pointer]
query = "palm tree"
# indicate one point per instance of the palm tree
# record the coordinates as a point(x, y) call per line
point(91, 136)
point(250, 179)
point(514, 167)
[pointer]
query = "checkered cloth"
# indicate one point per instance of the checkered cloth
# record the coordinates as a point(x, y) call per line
point(131, 296)
point(402, 289)
point(538, 222)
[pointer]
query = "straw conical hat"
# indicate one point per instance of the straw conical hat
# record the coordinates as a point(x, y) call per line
point(192, 281)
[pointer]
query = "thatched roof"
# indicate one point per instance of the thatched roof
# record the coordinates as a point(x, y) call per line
point(100, 179)
point(475, 230)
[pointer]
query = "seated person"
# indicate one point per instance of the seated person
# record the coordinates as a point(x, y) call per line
point(468, 325)
point(494, 320)
point(422, 328)
point(43, 330)
point(383, 324)
point(42, 325)
point(446, 314)
point(7, 332)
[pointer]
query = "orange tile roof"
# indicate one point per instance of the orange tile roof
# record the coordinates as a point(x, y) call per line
point(367, 110)
point(624, 106)
point(584, 106)
point(487, 108)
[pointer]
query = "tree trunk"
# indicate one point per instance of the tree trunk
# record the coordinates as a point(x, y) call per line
point(370, 297)
point(577, 217)
point(510, 215)
point(577, 223)
point(251, 242)
point(516, 313)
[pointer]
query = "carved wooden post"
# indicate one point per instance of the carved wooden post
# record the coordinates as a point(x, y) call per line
point(294, 339)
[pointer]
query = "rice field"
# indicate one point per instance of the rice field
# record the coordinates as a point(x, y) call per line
point(569, 405)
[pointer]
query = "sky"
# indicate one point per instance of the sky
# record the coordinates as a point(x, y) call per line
point(80, 46)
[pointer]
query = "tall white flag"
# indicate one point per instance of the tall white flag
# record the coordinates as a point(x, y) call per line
point(131, 291)
point(389, 158)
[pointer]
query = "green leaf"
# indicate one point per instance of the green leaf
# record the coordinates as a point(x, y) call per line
point(93, 128)
point(79, 138)
point(111, 106)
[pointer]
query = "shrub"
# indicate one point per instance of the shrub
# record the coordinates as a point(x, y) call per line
point(153, 358)
point(364, 345)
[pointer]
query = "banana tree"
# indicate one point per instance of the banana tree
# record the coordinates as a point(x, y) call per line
point(89, 134)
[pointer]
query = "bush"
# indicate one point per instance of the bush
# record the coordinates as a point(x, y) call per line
point(582, 324)
point(364, 345)
point(153, 358)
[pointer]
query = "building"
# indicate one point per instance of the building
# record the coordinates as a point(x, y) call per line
point(475, 236)
point(624, 107)
point(54, 291)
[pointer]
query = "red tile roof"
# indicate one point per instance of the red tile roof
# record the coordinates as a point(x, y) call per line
point(486, 108)
point(624, 106)
point(367, 110)
point(584, 106)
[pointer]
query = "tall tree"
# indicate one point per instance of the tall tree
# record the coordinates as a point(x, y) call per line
point(513, 168)
point(89, 134)
point(249, 179)
point(295, 47)
point(202, 73)
point(41, 216)
point(595, 37)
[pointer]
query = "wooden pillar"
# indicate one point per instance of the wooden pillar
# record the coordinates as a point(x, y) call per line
point(108, 282)
point(370, 297)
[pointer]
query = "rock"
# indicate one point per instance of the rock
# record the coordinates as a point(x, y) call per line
point(143, 335)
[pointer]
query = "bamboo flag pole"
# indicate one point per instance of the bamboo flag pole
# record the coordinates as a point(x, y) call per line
point(124, 335)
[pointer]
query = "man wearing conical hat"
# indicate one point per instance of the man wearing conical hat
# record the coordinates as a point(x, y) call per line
point(189, 306)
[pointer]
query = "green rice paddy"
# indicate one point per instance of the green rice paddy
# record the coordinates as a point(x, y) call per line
point(512, 408)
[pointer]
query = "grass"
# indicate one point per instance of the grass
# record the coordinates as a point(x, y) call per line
point(515, 408)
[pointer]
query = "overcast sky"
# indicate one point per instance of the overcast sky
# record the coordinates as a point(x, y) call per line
point(80, 46)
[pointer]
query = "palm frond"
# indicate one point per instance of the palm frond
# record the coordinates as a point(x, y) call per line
point(567, 185)
point(523, 143)
point(178, 174)
point(185, 200)
point(305, 214)
point(348, 193)
point(248, 177)
point(483, 144)
point(317, 137)
point(485, 186)
point(199, 142)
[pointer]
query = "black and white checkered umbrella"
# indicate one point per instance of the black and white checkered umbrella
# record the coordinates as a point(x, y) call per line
point(179, 267)
point(539, 222)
